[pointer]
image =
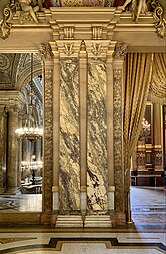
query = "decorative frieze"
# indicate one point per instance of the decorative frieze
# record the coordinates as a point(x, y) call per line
point(48, 139)
point(117, 136)
point(47, 61)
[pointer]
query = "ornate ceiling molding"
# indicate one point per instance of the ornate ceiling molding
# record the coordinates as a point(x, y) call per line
point(14, 13)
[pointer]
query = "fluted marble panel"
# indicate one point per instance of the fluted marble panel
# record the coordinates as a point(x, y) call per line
point(97, 172)
point(69, 137)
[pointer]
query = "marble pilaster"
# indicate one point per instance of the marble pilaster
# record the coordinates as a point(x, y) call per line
point(56, 126)
point(110, 127)
point(97, 170)
point(69, 176)
point(83, 83)
point(2, 150)
point(12, 151)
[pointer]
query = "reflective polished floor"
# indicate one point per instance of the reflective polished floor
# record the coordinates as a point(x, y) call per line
point(147, 235)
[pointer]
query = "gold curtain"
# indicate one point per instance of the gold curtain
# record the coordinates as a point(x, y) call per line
point(157, 89)
point(137, 80)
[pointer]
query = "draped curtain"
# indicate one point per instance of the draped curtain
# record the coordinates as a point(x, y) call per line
point(157, 89)
point(145, 78)
point(137, 80)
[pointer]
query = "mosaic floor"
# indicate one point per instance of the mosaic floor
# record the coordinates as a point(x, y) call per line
point(146, 236)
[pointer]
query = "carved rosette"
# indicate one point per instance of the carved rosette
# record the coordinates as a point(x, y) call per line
point(117, 122)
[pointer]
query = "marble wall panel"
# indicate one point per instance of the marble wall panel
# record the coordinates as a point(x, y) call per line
point(69, 137)
point(97, 172)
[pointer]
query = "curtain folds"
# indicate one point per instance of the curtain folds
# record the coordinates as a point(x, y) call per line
point(157, 89)
point(137, 81)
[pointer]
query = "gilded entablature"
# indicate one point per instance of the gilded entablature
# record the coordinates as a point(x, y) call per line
point(30, 11)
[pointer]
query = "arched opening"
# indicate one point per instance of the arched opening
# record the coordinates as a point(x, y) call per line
point(21, 120)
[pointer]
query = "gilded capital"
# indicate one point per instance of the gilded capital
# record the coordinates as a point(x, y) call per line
point(120, 51)
point(45, 51)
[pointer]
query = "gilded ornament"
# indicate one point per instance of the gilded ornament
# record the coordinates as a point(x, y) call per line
point(158, 15)
point(120, 51)
point(45, 51)
point(97, 48)
point(25, 9)
point(68, 49)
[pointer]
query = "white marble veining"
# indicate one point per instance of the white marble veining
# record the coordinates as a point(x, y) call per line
point(69, 137)
point(97, 175)
point(95, 249)
point(86, 247)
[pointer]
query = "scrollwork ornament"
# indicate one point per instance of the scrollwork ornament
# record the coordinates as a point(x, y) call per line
point(5, 24)
point(120, 51)
point(160, 25)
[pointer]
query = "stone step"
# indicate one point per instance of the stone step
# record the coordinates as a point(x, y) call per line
point(98, 221)
point(90, 221)
point(69, 221)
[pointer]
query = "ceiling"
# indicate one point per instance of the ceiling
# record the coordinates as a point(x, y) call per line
point(15, 66)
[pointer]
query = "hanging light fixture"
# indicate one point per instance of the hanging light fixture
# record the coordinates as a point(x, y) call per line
point(31, 130)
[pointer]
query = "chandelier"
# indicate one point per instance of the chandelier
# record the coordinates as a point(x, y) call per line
point(31, 130)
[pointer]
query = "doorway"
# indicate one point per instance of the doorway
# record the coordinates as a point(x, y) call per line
point(21, 125)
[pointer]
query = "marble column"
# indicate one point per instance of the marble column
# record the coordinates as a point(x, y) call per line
point(38, 149)
point(47, 79)
point(2, 149)
point(157, 148)
point(26, 156)
point(12, 151)
point(110, 127)
point(83, 82)
point(19, 154)
point(118, 75)
point(56, 126)
point(37, 153)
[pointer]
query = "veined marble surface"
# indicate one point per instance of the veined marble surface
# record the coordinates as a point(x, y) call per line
point(69, 137)
point(81, 242)
point(97, 174)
